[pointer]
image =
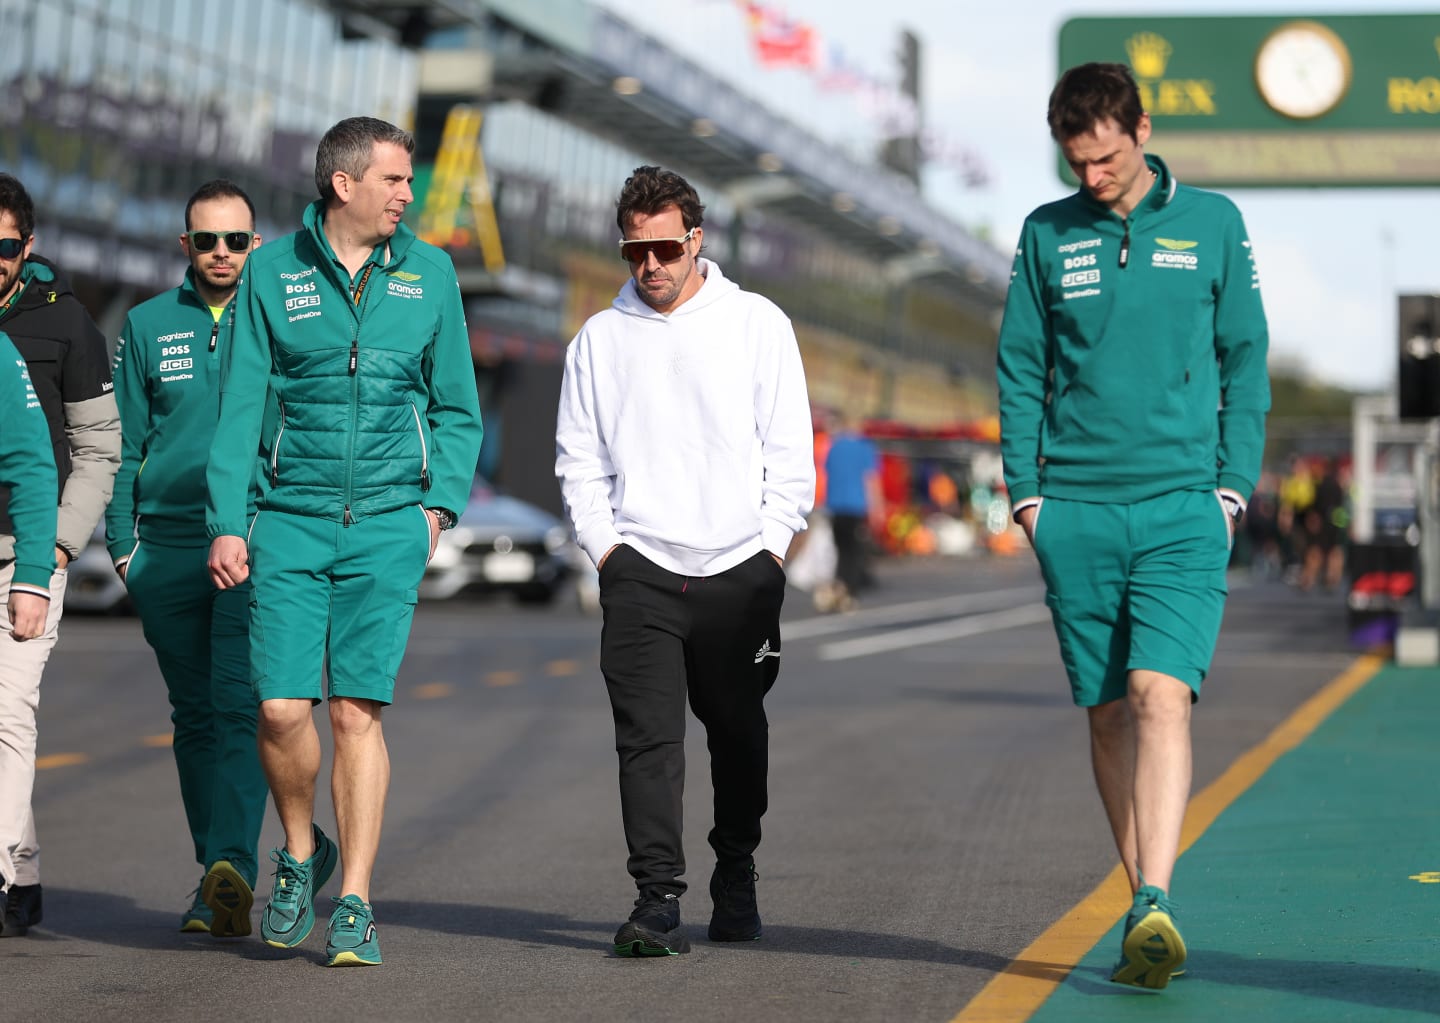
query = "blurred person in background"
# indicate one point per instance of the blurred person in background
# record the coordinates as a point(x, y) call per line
point(355, 328)
point(1133, 314)
point(684, 449)
point(853, 501)
point(69, 370)
point(1324, 523)
point(167, 385)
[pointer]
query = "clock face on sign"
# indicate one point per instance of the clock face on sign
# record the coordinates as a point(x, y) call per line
point(1302, 70)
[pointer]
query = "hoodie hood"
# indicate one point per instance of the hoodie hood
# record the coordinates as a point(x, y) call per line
point(716, 287)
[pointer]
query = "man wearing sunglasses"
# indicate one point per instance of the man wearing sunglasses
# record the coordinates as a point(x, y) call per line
point(685, 453)
point(70, 371)
point(356, 327)
point(167, 384)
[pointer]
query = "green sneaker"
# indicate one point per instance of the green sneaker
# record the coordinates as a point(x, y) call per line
point(290, 914)
point(1153, 950)
point(351, 939)
point(229, 897)
point(197, 918)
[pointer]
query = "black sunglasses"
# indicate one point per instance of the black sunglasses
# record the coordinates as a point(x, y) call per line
point(666, 250)
point(235, 241)
point(11, 247)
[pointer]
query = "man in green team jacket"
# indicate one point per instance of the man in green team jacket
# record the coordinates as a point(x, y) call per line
point(356, 329)
point(27, 467)
point(167, 385)
point(1133, 394)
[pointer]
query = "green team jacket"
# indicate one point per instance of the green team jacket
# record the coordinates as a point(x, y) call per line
point(373, 378)
point(167, 385)
point(1132, 352)
point(27, 467)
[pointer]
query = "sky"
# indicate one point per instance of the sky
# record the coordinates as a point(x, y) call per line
point(1331, 260)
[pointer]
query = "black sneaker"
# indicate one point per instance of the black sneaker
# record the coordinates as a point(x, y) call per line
point(653, 928)
point(736, 917)
point(22, 910)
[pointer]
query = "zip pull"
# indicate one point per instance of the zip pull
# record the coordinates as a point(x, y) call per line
point(355, 352)
point(214, 333)
point(1125, 246)
point(347, 520)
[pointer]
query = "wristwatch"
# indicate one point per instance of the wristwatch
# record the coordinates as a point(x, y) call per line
point(445, 517)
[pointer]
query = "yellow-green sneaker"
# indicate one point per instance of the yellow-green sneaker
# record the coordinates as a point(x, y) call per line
point(197, 918)
point(351, 939)
point(229, 897)
point(1153, 950)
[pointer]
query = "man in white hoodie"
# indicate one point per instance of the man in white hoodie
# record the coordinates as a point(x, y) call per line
point(685, 455)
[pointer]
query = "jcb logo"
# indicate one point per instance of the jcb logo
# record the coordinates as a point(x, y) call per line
point(174, 365)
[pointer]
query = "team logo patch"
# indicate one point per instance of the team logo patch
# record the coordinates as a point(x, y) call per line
point(1173, 245)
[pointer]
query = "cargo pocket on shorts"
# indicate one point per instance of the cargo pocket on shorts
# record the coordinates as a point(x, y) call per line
point(401, 636)
point(1062, 634)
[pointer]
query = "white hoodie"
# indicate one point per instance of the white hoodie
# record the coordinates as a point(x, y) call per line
point(687, 435)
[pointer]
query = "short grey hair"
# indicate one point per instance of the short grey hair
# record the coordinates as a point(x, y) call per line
point(348, 147)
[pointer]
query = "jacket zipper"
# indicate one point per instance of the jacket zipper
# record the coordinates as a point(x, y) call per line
point(275, 449)
point(1125, 245)
point(360, 295)
point(424, 453)
point(214, 333)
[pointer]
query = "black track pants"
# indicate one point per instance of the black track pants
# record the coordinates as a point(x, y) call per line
point(717, 640)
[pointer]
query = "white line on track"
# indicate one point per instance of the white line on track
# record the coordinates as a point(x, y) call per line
point(959, 628)
point(808, 628)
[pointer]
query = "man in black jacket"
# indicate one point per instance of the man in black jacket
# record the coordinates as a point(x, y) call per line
point(70, 371)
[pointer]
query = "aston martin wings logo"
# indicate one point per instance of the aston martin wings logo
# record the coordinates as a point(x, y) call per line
point(407, 277)
point(1173, 245)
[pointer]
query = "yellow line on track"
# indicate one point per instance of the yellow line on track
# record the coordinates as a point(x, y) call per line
point(59, 760)
point(1014, 994)
point(433, 691)
point(560, 669)
point(502, 678)
point(159, 741)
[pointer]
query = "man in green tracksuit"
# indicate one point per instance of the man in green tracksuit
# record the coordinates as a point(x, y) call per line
point(27, 467)
point(1133, 394)
point(357, 330)
point(167, 385)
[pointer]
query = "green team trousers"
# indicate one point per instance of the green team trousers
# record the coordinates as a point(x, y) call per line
point(200, 636)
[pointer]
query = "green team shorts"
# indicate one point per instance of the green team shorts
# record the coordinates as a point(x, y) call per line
point(333, 596)
point(1134, 587)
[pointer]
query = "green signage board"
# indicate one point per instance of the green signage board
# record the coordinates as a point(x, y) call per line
point(1280, 101)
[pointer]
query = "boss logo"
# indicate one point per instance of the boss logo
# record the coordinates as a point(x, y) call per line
point(1075, 262)
point(296, 289)
point(175, 350)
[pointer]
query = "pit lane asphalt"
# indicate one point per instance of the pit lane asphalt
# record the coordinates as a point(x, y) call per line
point(932, 815)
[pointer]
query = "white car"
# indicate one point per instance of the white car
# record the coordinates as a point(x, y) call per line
point(501, 544)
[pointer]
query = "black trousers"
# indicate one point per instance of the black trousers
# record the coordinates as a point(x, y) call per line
point(716, 640)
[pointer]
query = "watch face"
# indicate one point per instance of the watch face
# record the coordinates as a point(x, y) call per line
point(1302, 70)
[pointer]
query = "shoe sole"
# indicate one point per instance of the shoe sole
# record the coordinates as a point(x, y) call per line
point(637, 943)
point(1153, 951)
point(195, 926)
point(323, 870)
point(352, 959)
point(722, 935)
point(229, 897)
